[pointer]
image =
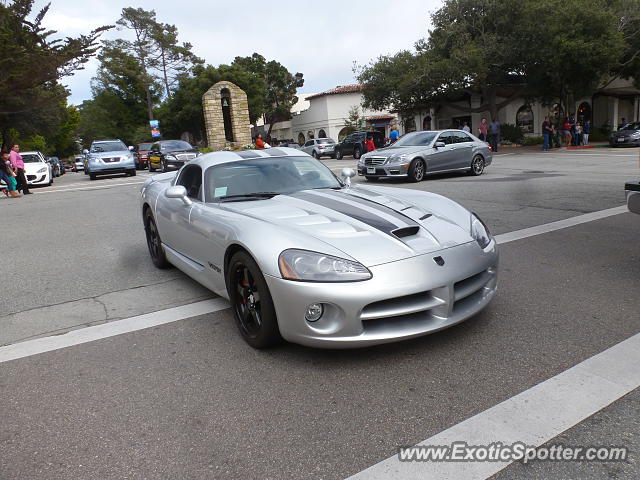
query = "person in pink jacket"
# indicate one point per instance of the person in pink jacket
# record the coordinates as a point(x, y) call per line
point(18, 166)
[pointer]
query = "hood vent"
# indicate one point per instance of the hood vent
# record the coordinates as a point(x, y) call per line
point(406, 231)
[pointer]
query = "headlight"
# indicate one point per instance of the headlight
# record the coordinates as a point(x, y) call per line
point(170, 157)
point(306, 266)
point(95, 159)
point(398, 158)
point(480, 232)
point(43, 169)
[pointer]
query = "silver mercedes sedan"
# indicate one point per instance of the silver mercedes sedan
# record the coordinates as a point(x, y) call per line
point(303, 255)
point(418, 154)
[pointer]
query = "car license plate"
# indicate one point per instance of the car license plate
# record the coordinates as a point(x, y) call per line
point(371, 169)
point(621, 139)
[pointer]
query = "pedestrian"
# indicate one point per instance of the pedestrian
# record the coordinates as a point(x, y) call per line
point(483, 130)
point(566, 132)
point(577, 134)
point(259, 142)
point(572, 128)
point(393, 135)
point(586, 129)
point(466, 128)
point(546, 134)
point(18, 167)
point(369, 144)
point(8, 175)
point(494, 134)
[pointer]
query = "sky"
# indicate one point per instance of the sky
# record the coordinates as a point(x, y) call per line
point(320, 40)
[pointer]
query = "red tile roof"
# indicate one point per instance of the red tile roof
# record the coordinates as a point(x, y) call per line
point(384, 116)
point(337, 90)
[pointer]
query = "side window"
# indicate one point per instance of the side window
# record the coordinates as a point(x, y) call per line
point(191, 179)
point(155, 147)
point(446, 138)
point(309, 143)
point(462, 137)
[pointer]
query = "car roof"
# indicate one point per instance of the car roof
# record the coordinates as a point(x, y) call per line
point(218, 158)
point(31, 152)
point(107, 140)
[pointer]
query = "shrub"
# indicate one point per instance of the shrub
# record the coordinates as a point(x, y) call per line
point(510, 133)
point(528, 141)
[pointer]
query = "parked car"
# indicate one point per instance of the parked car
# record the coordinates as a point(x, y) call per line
point(632, 190)
point(418, 154)
point(353, 144)
point(78, 163)
point(319, 147)
point(170, 154)
point(142, 155)
point(56, 166)
point(303, 255)
point(628, 135)
point(108, 157)
point(289, 144)
point(37, 170)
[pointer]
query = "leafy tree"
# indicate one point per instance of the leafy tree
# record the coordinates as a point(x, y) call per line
point(173, 60)
point(537, 49)
point(32, 61)
point(353, 121)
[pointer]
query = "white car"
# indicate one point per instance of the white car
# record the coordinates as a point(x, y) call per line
point(79, 163)
point(37, 169)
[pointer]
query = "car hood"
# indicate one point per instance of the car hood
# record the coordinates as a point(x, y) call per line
point(115, 153)
point(188, 150)
point(625, 133)
point(389, 151)
point(32, 167)
point(369, 227)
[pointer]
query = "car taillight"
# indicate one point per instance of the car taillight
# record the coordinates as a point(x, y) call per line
point(489, 147)
point(320, 147)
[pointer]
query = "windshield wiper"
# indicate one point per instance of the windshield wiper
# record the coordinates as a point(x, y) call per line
point(248, 196)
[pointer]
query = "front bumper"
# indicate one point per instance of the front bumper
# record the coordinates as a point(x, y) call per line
point(102, 168)
point(624, 142)
point(632, 190)
point(403, 299)
point(38, 179)
point(386, 170)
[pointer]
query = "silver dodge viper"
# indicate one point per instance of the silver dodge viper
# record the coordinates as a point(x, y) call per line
point(303, 255)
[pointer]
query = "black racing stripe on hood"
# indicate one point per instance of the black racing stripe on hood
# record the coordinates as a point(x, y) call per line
point(360, 214)
point(400, 217)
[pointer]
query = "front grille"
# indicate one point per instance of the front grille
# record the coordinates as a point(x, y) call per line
point(399, 306)
point(467, 287)
point(185, 156)
point(374, 160)
point(111, 159)
point(31, 177)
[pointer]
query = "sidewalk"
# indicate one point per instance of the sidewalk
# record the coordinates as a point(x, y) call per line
point(538, 148)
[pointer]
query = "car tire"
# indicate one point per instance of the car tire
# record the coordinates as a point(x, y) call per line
point(333, 155)
point(315, 155)
point(163, 167)
point(256, 319)
point(477, 166)
point(357, 154)
point(92, 176)
point(338, 155)
point(417, 169)
point(132, 173)
point(154, 242)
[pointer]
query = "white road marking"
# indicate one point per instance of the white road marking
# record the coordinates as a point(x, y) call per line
point(560, 224)
point(89, 187)
point(533, 417)
point(105, 330)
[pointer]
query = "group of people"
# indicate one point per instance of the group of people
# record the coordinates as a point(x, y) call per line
point(489, 132)
point(12, 173)
point(573, 133)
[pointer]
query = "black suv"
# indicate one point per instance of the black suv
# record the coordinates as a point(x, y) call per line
point(353, 144)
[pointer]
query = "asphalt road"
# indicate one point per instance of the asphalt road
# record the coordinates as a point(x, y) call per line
point(191, 400)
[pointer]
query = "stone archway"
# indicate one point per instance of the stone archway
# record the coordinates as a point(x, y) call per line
point(226, 115)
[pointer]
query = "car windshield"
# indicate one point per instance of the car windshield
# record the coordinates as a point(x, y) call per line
point(415, 139)
point(108, 147)
point(175, 145)
point(325, 141)
point(267, 175)
point(144, 146)
point(631, 126)
point(30, 158)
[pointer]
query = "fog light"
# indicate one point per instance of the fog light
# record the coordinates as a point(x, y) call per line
point(314, 312)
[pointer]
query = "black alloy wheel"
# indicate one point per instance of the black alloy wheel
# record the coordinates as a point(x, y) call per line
point(477, 165)
point(251, 301)
point(154, 242)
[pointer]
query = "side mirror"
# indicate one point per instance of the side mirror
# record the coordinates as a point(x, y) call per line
point(347, 174)
point(439, 145)
point(178, 191)
point(131, 148)
point(85, 151)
